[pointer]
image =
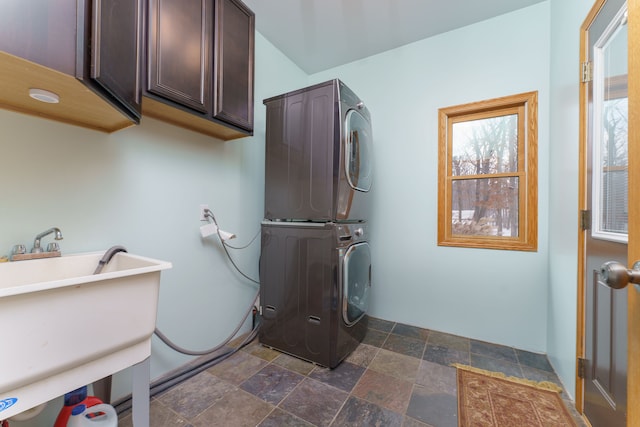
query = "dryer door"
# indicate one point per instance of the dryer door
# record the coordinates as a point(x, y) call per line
point(358, 151)
point(356, 282)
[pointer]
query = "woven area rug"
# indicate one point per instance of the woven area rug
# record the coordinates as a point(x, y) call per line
point(489, 399)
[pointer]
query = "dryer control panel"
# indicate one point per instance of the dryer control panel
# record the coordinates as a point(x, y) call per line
point(347, 234)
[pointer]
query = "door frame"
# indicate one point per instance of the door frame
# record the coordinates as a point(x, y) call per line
point(633, 251)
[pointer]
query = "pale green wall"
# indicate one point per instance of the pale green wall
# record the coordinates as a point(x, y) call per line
point(566, 18)
point(497, 296)
point(141, 188)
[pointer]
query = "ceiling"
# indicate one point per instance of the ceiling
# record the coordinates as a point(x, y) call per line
point(322, 34)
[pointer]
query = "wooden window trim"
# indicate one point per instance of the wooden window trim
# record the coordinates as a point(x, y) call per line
point(526, 104)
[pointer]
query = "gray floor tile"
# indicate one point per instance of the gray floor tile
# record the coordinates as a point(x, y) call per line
point(280, 418)
point(412, 422)
point(453, 342)
point(344, 376)
point(445, 356)
point(358, 413)
point(404, 345)
point(436, 409)
point(410, 331)
point(389, 380)
point(375, 338)
point(495, 351)
point(238, 368)
point(294, 364)
point(496, 365)
point(380, 325)
point(238, 409)
point(159, 416)
point(363, 355)
point(314, 402)
point(437, 378)
point(272, 383)
point(196, 394)
point(384, 390)
point(395, 364)
point(534, 360)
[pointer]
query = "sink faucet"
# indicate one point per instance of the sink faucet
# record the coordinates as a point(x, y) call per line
point(36, 243)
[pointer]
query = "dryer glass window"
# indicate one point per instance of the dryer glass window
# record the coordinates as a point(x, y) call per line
point(356, 282)
point(358, 151)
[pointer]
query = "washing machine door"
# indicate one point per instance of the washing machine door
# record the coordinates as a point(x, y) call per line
point(358, 151)
point(356, 282)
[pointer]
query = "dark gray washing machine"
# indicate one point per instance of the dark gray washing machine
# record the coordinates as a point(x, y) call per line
point(315, 264)
point(316, 280)
point(318, 155)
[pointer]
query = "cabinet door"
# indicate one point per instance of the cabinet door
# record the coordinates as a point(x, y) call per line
point(115, 50)
point(179, 52)
point(41, 31)
point(234, 63)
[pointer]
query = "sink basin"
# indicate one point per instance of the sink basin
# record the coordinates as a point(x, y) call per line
point(63, 327)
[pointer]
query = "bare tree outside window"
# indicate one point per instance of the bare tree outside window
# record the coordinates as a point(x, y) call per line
point(487, 174)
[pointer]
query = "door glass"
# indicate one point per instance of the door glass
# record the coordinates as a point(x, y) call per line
point(357, 151)
point(356, 282)
point(610, 157)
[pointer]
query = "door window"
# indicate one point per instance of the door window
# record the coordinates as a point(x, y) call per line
point(610, 124)
point(357, 151)
point(356, 282)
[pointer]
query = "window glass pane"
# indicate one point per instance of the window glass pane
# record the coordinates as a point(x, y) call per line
point(485, 146)
point(485, 207)
point(611, 186)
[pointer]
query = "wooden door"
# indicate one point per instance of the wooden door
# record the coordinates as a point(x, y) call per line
point(598, 392)
point(633, 370)
point(234, 63)
point(179, 46)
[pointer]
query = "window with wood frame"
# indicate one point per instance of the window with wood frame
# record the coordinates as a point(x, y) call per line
point(487, 174)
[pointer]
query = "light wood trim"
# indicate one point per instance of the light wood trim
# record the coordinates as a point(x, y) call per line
point(175, 116)
point(526, 105)
point(78, 106)
point(582, 198)
point(633, 372)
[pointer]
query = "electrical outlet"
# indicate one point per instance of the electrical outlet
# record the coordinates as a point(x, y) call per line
point(202, 209)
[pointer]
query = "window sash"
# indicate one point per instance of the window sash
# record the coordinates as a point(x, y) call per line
point(524, 107)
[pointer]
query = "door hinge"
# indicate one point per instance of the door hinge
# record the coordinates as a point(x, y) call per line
point(587, 71)
point(585, 220)
point(582, 367)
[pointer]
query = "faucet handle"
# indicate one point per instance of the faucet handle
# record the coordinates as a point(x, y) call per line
point(53, 247)
point(19, 249)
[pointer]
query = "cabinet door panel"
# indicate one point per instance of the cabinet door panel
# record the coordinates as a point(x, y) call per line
point(178, 52)
point(115, 50)
point(234, 63)
point(41, 31)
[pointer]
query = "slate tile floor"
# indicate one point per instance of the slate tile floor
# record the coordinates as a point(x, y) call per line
point(399, 376)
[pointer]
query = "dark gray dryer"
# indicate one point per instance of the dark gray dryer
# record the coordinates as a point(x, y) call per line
point(315, 284)
point(318, 155)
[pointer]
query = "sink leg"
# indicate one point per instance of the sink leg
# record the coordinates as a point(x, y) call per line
point(102, 389)
point(140, 394)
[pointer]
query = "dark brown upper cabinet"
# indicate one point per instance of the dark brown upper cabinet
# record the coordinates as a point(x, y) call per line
point(179, 52)
point(200, 57)
point(85, 51)
point(233, 60)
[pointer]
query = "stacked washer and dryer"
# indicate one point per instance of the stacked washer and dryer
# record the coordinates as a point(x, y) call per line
point(315, 262)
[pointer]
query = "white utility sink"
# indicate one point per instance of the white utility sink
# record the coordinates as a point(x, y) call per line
point(61, 327)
